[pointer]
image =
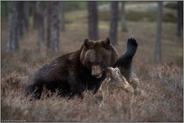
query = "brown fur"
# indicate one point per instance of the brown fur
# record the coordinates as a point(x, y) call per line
point(114, 82)
point(75, 72)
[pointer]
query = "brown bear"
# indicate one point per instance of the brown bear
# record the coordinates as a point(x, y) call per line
point(120, 77)
point(71, 74)
point(114, 83)
point(124, 63)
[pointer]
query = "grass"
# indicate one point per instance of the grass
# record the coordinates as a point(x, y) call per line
point(161, 85)
point(161, 99)
point(135, 16)
point(131, 15)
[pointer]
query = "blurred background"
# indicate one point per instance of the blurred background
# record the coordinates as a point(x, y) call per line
point(37, 32)
point(33, 33)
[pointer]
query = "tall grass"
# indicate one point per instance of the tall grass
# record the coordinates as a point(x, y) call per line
point(161, 99)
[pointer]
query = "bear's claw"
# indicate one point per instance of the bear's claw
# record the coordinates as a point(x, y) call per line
point(132, 41)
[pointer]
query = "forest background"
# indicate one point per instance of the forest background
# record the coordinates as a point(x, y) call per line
point(34, 33)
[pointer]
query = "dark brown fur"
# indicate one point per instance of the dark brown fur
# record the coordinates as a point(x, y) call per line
point(74, 72)
point(124, 63)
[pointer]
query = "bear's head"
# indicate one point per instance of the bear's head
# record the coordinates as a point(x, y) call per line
point(97, 56)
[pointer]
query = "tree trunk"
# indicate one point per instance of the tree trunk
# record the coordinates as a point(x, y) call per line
point(123, 17)
point(48, 25)
point(114, 22)
point(39, 12)
point(20, 19)
point(13, 42)
point(62, 12)
point(92, 20)
point(159, 32)
point(53, 26)
point(35, 16)
point(26, 16)
point(180, 19)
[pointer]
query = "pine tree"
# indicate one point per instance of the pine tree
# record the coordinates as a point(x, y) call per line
point(53, 26)
point(159, 32)
point(40, 17)
point(92, 20)
point(13, 40)
point(114, 22)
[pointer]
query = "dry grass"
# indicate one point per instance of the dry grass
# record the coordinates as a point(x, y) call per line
point(161, 99)
point(161, 85)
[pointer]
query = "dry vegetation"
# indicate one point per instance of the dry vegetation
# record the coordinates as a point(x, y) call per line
point(161, 99)
point(161, 85)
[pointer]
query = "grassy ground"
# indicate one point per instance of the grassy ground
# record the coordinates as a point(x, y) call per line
point(161, 85)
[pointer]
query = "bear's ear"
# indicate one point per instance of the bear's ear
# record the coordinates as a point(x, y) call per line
point(86, 42)
point(107, 41)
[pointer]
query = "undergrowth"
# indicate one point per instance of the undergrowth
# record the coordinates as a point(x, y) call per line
point(160, 99)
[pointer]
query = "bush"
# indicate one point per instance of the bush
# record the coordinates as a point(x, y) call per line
point(171, 5)
point(73, 5)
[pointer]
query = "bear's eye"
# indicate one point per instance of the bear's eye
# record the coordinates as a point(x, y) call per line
point(99, 62)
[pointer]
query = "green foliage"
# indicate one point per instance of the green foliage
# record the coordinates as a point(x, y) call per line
point(171, 5)
point(136, 16)
point(141, 16)
point(102, 2)
point(168, 17)
point(74, 5)
point(5, 5)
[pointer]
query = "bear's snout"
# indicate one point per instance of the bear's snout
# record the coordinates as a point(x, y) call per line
point(96, 71)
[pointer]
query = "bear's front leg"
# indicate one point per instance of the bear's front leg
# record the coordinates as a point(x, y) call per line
point(125, 61)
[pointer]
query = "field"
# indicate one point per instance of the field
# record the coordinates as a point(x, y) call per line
point(160, 96)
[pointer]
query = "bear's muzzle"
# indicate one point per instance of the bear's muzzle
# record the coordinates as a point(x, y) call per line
point(96, 71)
